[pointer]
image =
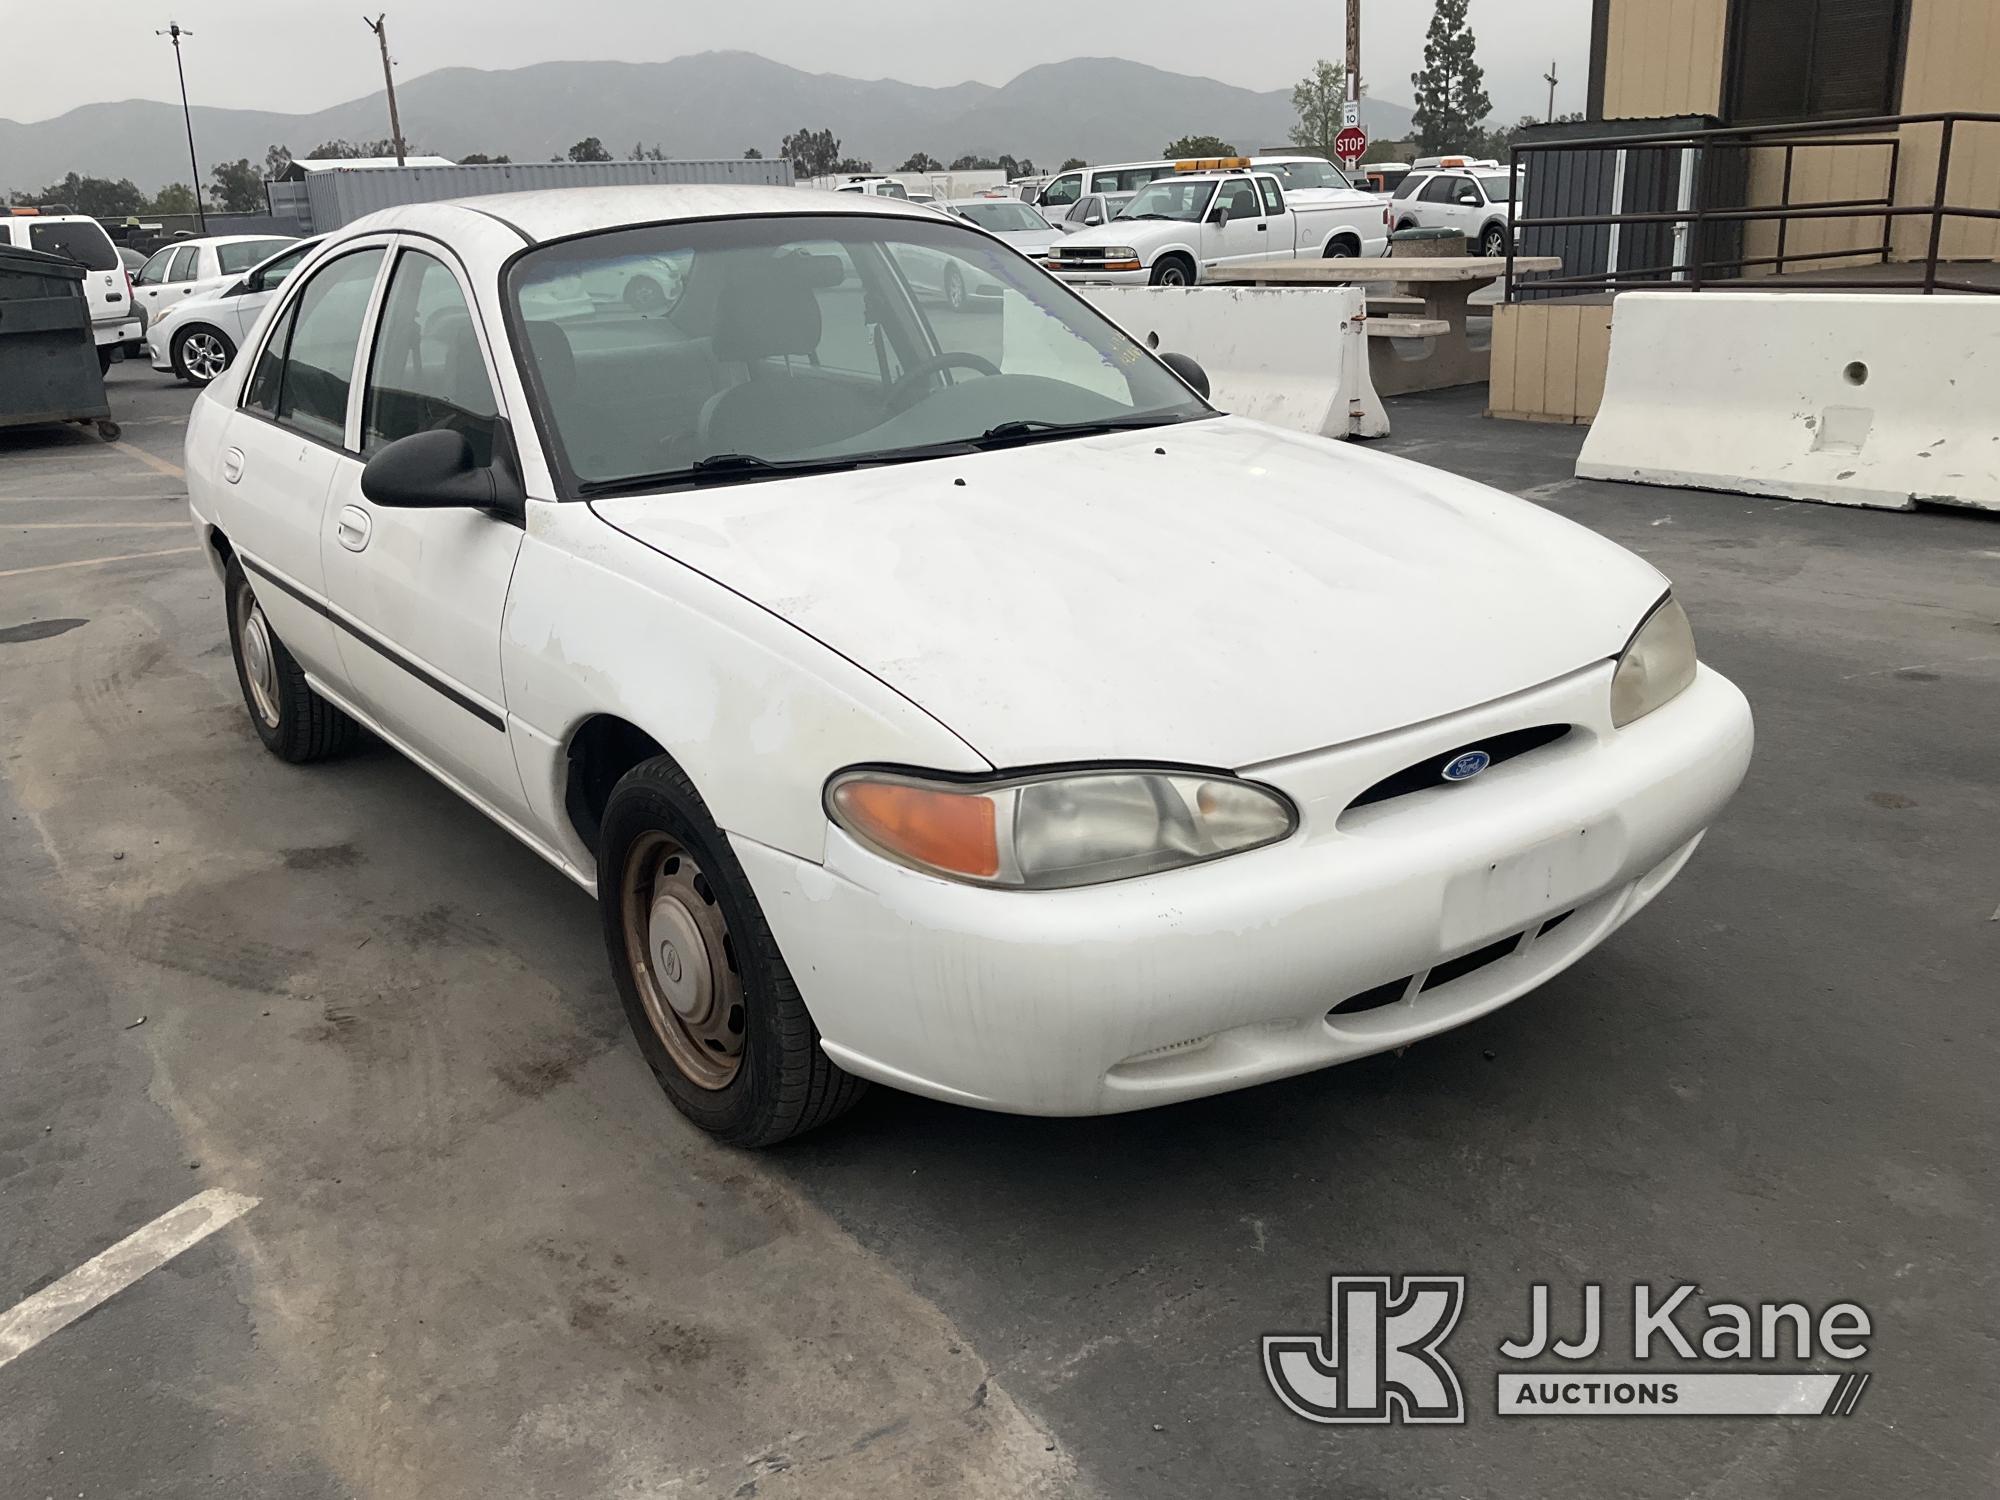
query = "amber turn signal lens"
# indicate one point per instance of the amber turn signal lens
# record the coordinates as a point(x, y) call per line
point(927, 826)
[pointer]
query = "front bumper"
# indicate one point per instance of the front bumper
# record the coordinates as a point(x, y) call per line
point(156, 346)
point(1140, 277)
point(1147, 991)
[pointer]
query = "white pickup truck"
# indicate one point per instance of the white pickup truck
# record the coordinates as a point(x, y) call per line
point(1177, 230)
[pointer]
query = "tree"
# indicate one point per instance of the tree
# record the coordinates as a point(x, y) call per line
point(481, 159)
point(751, 153)
point(1450, 86)
point(174, 198)
point(590, 148)
point(642, 152)
point(813, 152)
point(1198, 145)
point(1013, 168)
point(971, 163)
point(344, 150)
point(277, 161)
point(99, 197)
point(1317, 101)
point(1072, 164)
point(921, 161)
point(238, 187)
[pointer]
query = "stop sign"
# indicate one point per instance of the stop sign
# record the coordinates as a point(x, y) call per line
point(1350, 143)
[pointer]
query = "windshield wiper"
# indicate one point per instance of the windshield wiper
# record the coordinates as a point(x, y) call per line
point(718, 467)
point(1030, 429)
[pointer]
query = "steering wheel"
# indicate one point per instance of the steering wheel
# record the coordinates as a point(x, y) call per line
point(903, 394)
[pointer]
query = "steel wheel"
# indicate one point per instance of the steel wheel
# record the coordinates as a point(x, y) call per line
point(682, 961)
point(204, 356)
point(260, 660)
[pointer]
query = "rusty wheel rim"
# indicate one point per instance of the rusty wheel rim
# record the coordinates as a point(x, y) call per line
point(682, 960)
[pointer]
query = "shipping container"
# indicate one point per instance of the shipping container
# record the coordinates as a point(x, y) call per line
point(328, 199)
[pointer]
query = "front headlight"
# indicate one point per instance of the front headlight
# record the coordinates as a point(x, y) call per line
point(1121, 252)
point(1656, 667)
point(1057, 829)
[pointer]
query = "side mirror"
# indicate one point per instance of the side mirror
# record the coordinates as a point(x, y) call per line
point(1220, 218)
point(1469, 197)
point(1183, 366)
point(439, 471)
point(1093, 220)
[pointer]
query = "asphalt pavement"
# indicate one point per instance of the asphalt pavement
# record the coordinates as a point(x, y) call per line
point(486, 1258)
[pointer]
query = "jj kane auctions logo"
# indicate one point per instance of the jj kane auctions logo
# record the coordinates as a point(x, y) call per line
point(1382, 1358)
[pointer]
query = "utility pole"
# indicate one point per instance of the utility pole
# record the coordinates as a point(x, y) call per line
point(173, 30)
point(1550, 78)
point(1354, 55)
point(389, 79)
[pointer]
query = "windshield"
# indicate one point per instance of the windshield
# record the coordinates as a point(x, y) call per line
point(244, 254)
point(811, 341)
point(1002, 215)
point(1499, 186)
point(1171, 198)
point(1304, 174)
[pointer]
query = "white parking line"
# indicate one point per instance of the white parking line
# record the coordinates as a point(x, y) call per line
point(91, 562)
point(103, 1276)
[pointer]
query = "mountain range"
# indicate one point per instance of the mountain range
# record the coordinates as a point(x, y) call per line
point(712, 104)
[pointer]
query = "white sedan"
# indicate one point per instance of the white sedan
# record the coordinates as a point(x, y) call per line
point(1008, 727)
point(196, 339)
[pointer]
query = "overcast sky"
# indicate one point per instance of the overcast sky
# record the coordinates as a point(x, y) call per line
point(302, 55)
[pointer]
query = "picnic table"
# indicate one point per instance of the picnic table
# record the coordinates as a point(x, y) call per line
point(1442, 284)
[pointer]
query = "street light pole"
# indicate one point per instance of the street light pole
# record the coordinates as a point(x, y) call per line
point(388, 80)
point(174, 31)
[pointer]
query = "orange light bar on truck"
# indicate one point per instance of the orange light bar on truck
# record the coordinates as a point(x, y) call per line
point(1211, 163)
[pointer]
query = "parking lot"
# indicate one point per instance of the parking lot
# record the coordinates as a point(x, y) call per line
point(486, 1257)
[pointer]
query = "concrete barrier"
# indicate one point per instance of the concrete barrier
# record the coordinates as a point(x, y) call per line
point(1843, 397)
point(1292, 356)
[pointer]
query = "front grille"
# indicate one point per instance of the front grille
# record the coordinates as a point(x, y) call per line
point(1452, 968)
point(1429, 772)
point(1469, 963)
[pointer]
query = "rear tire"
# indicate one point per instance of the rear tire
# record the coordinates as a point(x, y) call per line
point(293, 721)
point(1341, 249)
point(104, 356)
point(710, 1001)
point(1172, 270)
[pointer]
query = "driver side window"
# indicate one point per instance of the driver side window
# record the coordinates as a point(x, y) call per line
point(428, 369)
point(1240, 198)
point(1065, 189)
point(154, 271)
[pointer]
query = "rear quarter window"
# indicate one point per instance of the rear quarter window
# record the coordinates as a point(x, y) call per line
point(81, 240)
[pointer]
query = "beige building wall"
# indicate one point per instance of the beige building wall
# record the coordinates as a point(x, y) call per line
point(1666, 57)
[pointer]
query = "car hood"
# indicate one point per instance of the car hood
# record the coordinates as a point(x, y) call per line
point(1218, 593)
point(1030, 242)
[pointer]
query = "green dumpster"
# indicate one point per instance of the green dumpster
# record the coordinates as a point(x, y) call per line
point(48, 359)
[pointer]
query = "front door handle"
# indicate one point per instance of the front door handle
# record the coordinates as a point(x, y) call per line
point(352, 527)
point(232, 464)
point(1262, 228)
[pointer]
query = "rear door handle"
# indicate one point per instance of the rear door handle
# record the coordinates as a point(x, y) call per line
point(232, 464)
point(352, 527)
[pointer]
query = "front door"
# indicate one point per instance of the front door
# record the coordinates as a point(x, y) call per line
point(417, 593)
point(1247, 234)
point(284, 444)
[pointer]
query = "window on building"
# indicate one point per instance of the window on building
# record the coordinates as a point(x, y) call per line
point(1814, 59)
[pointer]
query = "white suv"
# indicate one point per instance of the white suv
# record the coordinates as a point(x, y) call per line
point(114, 320)
point(1477, 200)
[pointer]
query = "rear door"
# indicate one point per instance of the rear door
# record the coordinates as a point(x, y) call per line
point(418, 593)
point(285, 441)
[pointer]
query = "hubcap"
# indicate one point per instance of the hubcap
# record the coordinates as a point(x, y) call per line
point(682, 961)
point(954, 290)
point(260, 660)
point(203, 356)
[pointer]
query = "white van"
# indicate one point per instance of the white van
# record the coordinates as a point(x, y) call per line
point(114, 321)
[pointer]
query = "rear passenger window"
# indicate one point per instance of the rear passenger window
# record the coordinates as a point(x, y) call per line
point(182, 266)
point(319, 360)
point(1409, 185)
point(427, 372)
point(1273, 203)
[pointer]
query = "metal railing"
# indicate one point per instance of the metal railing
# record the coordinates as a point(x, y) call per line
point(1691, 161)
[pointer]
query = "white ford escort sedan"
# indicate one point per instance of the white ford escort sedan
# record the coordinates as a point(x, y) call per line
point(948, 699)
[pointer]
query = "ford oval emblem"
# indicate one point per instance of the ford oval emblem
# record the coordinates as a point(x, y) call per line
point(1465, 767)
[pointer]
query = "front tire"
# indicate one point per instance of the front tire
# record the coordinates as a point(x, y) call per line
point(954, 289)
point(293, 721)
point(201, 354)
point(1494, 241)
point(710, 1001)
point(1172, 271)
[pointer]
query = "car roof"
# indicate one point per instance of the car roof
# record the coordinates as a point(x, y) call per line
point(559, 213)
